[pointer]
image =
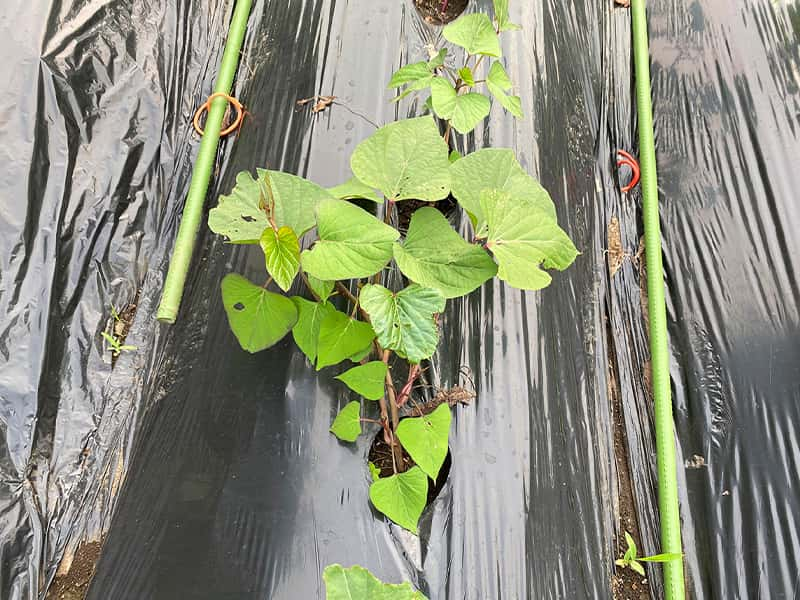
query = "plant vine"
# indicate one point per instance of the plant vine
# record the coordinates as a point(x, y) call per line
point(354, 316)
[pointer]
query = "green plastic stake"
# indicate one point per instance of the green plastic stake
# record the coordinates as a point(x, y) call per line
point(193, 209)
point(665, 429)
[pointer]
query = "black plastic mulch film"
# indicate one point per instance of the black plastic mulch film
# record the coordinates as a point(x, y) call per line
point(217, 465)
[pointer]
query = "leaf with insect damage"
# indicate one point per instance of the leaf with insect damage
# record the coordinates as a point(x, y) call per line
point(243, 215)
point(258, 318)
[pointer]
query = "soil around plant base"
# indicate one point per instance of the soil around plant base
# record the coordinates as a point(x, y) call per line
point(74, 584)
point(626, 584)
point(431, 10)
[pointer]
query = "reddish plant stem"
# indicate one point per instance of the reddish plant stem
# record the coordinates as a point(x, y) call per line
point(397, 450)
point(405, 393)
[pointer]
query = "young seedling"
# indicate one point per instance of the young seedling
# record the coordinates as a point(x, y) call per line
point(117, 347)
point(631, 561)
point(359, 320)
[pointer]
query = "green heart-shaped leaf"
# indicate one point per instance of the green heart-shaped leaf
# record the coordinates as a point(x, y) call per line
point(523, 241)
point(366, 380)
point(306, 330)
point(341, 337)
point(499, 83)
point(282, 253)
point(501, 16)
point(475, 33)
point(404, 321)
point(258, 318)
point(495, 169)
point(406, 159)
point(347, 424)
point(426, 439)
point(353, 188)
point(352, 243)
point(464, 111)
point(435, 256)
point(401, 497)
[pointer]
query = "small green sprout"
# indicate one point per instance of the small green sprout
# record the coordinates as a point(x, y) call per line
point(117, 347)
point(115, 314)
point(634, 562)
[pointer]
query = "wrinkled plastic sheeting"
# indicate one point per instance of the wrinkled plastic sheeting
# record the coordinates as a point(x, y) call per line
point(726, 90)
point(96, 153)
point(235, 489)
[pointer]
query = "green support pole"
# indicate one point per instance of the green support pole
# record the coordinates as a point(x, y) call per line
point(193, 208)
point(665, 429)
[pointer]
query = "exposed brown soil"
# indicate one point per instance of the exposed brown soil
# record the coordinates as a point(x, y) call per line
point(74, 584)
point(122, 325)
point(406, 209)
point(625, 583)
point(431, 10)
point(380, 453)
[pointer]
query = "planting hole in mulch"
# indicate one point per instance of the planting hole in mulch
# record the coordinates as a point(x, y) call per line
point(380, 455)
point(440, 12)
point(74, 584)
point(406, 208)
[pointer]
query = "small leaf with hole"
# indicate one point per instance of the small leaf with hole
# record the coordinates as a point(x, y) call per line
point(401, 497)
point(366, 380)
point(282, 253)
point(258, 318)
point(426, 439)
point(347, 425)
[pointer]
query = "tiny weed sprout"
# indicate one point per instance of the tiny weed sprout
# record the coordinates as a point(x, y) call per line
point(116, 346)
point(372, 332)
point(631, 561)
